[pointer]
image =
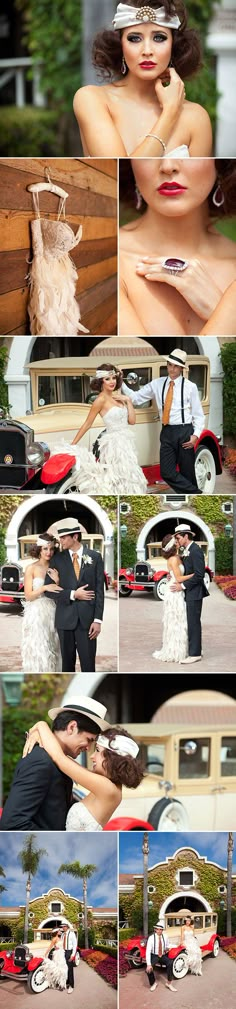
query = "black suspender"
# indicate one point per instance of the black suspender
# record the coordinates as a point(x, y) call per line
point(182, 397)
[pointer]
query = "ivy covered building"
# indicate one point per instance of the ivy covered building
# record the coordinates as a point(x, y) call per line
point(56, 908)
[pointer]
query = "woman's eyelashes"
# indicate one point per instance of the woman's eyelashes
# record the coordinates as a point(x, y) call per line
point(158, 37)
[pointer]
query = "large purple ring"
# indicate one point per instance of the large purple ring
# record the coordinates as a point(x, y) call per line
point(174, 265)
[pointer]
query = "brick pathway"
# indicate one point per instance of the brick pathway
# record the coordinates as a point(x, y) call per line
point(214, 990)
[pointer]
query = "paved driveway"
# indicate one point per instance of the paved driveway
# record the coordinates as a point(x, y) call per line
point(214, 990)
point(141, 634)
point(90, 990)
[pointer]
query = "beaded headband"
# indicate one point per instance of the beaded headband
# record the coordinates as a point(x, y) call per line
point(43, 543)
point(126, 16)
point(122, 745)
point(169, 545)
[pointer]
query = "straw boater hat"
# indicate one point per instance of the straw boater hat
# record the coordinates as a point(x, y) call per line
point(159, 924)
point(178, 357)
point(68, 526)
point(84, 706)
point(184, 528)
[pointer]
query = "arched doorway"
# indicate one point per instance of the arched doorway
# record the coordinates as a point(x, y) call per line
point(38, 513)
point(159, 525)
point(131, 699)
point(192, 901)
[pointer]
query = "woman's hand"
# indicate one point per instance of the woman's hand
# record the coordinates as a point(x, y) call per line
point(32, 738)
point(54, 575)
point(194, 283)
point(122, 399)
point(171, 97)
point(52, 588)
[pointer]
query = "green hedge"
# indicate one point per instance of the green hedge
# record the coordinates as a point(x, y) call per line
point(222, 921)
point(15, 724)
point(30, 130)
point(128, 552)
point(228, 358)
point(126, 933)
point(110, 950)
point(224, 555)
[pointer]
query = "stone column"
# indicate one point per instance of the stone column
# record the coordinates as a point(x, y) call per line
point(96, 16)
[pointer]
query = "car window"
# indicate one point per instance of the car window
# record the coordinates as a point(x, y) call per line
point(228, 756)
point(194, 765)
point(63, 389)
point(153, 756)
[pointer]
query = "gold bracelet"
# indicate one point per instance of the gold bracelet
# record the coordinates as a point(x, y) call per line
point(156, 138)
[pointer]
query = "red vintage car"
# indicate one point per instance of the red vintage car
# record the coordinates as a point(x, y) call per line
point(209, 941)
point(22, 965)
point(143, 578)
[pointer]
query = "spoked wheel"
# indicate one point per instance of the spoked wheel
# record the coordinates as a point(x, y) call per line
point(37, 982)
point(205, 470)
point(168, 815)
point(124, 589)
point(159, 589)
point(136, 958)
point(216, 948)
point(180, 966)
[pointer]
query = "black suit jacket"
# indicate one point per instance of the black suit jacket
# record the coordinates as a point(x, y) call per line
point(195, 561)
point(40, 795)
point(70, 612)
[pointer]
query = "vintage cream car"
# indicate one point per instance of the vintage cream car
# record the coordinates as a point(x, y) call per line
point(61, 398)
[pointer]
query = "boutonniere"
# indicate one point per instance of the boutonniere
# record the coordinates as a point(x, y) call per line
point(86, 559)
point(185, 552)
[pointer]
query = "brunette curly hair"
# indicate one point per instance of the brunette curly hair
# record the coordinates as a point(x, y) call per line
point(96, 383)
point(35, 550)
point(121, 770)
point(172, 551)
point(186, 50)
point(226, 178)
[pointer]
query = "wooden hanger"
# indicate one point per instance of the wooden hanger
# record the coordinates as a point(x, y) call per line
point(39, 187)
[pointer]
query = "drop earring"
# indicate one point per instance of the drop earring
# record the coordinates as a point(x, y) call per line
point(138, 198)
point(123, 66)
point(218, 196)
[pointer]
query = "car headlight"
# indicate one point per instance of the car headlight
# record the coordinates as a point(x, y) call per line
point(129, 571)
point(36, 454)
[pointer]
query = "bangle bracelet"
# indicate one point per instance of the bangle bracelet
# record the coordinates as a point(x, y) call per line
point(156, 138)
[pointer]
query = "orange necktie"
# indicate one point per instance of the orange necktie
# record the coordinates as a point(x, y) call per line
point(160, 946)
point(168, 404)
point(76, 565)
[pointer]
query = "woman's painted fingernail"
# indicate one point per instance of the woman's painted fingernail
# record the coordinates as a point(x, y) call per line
point(139, 266)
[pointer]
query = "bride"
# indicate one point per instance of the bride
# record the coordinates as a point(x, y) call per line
point(55, 968)
point(115, 763)
point(175, 632)
point(192, 947)
point(133, 111)
point(116, 470)
point(40, 648)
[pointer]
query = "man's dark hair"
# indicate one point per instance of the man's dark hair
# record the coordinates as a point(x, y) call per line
point(76, 536)
point(84, 724)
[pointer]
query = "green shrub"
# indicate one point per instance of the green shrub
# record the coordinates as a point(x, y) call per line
point(29, 130)
point(224, 555)
point(3, 384)
point(128, 552)
point(222, 926)
point(126, 933)
point(110, 950)
point(228, 358)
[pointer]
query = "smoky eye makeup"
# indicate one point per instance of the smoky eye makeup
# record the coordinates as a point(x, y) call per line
point(157, 37)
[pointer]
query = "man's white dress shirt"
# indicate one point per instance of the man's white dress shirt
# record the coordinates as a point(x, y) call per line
point(79, 553)
point(153, 946)
point(193, 412)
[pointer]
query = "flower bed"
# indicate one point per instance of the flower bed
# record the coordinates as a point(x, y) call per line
point(103, 964)
point(230, 460)
point(229, 946)
point(124, 965)
point(227, 583)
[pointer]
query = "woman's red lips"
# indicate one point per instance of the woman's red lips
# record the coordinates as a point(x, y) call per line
point(147, 64)
point(171, 188)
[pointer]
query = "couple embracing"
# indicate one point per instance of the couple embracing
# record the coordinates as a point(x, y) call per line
point(185, 591)
point(58, 964)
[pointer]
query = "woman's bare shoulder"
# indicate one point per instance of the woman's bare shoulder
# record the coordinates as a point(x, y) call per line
point(89, 94)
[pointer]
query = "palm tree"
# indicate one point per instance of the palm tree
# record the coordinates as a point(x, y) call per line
point(80, 872)
point(29, 856)
point(145, 850)
point(2, 873)
point(229, 881)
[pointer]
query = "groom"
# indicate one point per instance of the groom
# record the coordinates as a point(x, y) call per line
point(40, 794)
point(195, 589)
point(70, 948)
point(79, 607)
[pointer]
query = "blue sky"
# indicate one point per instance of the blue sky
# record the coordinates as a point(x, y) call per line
point(212, 845)
point(99, 849)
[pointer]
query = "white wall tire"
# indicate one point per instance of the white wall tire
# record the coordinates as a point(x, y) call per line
point(159, 589)
point(180, 966)
point(124, 589)
point(205, 470)
point(207, 580)
point(216, 948)
point(168, 815)
point(37, 981)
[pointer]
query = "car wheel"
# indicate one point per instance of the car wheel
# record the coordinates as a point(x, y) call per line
point(77, 959)
point(205, 470)
point(124, 588)
point(136, 958)
point(207, 580)
point(216, 948)
point(167, 815)
point(37, 981)
point(68, 486)
point(159, 589)
point(180, 966)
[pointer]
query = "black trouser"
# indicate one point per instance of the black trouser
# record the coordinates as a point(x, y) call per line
point(194, 609)
point(77, 641)
point(70, 963)
point(172, 454)
point(163, 961)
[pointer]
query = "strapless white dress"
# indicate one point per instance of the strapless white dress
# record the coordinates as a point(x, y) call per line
point(194, 954)
point(40, 647)
point(179, 152)
point(56, 970)
point(79, 818)
point(117, 471)
point(175, 631)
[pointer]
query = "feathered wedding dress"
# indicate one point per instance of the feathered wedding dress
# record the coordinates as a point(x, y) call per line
point(53, 308)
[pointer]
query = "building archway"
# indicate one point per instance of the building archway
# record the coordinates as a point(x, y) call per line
point(136, 701)
point(191, 899)
point(37, 513)
point(165, 522)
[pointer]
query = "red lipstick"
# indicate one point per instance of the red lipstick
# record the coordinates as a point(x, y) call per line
point(171, 188)
point(147, 65)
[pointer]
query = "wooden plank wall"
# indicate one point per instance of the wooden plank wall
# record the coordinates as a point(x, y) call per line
point(92, 202)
